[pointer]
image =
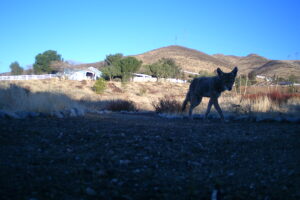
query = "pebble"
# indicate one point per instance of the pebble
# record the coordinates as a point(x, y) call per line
point(90, 191)
point(124, 162)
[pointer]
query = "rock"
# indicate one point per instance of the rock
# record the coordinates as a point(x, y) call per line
point(22, 114)
point(11, 115)
point(124, 162)
point(241, 118)
point(33, 114)
point(90, 191)
point(73, 113)
point(264, 119)
point(79, 112)
point(229, 117)
point(292, 119)
point(2, 114)
point(57, 114)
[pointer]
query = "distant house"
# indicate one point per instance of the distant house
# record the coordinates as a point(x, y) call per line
point(143, 78)
point(264, 78)
point(90, 73)
point(148, 78)
point(286, 83)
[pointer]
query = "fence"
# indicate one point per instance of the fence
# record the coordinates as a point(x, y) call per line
point(152, 79)
point(28, 77)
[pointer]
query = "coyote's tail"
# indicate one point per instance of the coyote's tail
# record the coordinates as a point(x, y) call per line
point(187, 99)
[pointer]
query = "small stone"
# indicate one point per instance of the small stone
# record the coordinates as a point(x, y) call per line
point(73, 113)
point(114, 180)
point(136, 171)
point(124, 162)
point(101, 172)
point(90, 191)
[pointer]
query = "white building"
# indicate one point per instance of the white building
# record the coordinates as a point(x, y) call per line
point(90, 73)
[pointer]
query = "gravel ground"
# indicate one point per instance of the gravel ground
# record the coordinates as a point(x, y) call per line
point(143, 156)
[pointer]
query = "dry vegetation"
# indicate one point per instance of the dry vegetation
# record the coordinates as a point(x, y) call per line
point(49, 95)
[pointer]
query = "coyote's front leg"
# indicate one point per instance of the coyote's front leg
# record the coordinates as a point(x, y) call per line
point(214, 101)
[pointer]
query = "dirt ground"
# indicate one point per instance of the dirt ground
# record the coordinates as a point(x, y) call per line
point(143, 156)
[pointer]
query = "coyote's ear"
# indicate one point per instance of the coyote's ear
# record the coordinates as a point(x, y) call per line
point(235, 70)
point(219, 71)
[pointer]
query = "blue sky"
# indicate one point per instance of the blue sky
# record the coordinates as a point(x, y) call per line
point(88, 30)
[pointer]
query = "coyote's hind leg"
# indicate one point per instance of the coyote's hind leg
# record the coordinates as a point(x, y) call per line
point(195, 101)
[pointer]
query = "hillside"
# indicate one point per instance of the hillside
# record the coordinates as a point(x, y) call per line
point(246, 64)
point(279, 68)
point(188, 59)
point(194, 61)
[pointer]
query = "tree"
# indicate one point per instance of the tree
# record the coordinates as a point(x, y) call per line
point(128, 66)
point(109, 72)
point(111, 68)
point(165, 68)
point(43, 62)
point(16, 69)
point(113, 59)
point(118, 66)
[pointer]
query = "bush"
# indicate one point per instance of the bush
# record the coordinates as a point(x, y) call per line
point(167, 105)
point(121, 105)
point(204, 73)
point(99, 86)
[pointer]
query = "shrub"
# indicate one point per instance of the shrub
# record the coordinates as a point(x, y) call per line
point(167, 105)
point(121, 105)
point(205, 73)
point(99, 86)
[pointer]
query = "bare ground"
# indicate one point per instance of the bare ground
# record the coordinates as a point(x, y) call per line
point(142, 156)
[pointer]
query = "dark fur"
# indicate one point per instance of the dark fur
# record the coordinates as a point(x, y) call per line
point(211, 87)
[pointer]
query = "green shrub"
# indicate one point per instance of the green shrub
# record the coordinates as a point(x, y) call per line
point(99, 86)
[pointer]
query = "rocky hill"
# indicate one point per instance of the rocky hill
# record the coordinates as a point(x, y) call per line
point(189, 59)
point(194, 61)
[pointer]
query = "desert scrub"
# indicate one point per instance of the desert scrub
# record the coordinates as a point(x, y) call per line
point(99, 86)
point(121, 105)
point(167, 105)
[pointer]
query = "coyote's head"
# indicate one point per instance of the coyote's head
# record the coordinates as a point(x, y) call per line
point(227, 79)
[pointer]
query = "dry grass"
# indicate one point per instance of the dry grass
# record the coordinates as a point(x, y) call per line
point(16, 98)
point(60, 94)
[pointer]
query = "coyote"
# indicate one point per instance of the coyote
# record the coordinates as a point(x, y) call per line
point(209, 87)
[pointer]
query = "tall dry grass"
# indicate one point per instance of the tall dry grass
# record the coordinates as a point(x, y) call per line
point(16, 98)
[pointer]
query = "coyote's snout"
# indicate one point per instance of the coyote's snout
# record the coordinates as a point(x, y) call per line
point(209, 87)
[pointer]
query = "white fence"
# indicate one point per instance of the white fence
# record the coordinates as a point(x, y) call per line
point(27, 77)
point(152, 79)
